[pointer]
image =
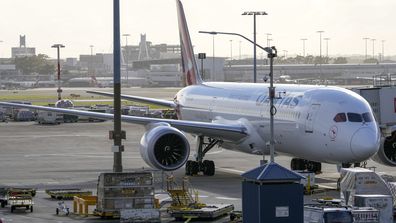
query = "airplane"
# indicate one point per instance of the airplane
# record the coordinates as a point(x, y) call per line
point(313, 124)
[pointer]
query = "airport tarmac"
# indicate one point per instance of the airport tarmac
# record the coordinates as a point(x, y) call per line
point(74, 154)
point(70, 155)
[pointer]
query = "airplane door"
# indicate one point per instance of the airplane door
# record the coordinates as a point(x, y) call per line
point(309, 122)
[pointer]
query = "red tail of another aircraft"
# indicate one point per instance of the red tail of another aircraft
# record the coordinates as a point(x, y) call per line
point(190, 70)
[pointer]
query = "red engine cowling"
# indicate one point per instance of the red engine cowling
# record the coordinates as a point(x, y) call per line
point(164, 147)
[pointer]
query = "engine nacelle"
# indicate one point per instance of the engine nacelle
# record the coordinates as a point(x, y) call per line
point(386, 155)
point(164, 147)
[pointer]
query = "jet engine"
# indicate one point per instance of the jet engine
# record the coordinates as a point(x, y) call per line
point(164, 147)
point(386, 155)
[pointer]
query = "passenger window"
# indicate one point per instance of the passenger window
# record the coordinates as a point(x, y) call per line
point(354, 117)
point(340, 117)
point(367, 117)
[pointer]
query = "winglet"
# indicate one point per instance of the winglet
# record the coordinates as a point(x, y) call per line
point(190, 69)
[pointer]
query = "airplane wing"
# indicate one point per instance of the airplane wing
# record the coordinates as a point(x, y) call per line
point(225, 132)
point(154, 101)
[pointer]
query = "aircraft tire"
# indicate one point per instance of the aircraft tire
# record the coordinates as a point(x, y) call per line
point(297, 164)
point(192, 168)
point(188, 167)
point(208, 167)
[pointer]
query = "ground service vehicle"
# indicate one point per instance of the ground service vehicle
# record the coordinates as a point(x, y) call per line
point(46, 117)
point(21, 201)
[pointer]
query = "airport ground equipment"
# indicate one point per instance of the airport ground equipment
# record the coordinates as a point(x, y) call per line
point(309, 182)
point(3, 197)
point(359, 181)
point(67, 194)
point(382, 99)
point(62, 208)
point(126, 190)
point(70, 118)
point(81, 204)
point(139, 215)
point(14, 191)
point(3, 116)
point(47, 117)
point(327, 214)
point(23, 115)
point(272, 193)
point(185, 203)
point(20, 201)
point(365, 215)
point(383, 203)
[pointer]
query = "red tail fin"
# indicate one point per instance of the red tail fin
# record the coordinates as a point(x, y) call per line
point(190, 70)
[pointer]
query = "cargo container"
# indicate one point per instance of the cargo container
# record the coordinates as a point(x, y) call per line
point(365, 215)
point(359, 181)
point(383, 203)
point(323, 214)
point(120, 191)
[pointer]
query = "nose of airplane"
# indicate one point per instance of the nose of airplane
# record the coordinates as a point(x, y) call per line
point(365, 143)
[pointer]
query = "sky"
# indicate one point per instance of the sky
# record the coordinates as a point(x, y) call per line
point(80, 23)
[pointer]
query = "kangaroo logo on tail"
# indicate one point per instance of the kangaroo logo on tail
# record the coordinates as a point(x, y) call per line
point(190, 70)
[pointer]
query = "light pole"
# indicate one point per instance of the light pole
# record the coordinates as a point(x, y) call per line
point(91, 64)
point(365, 40)
point(58, 46)
point(117, 134)
point(126, 57)
point(320, 45)
point(327, 47)
point(1, 42)
point(230, 49)
point(373, 47)
point(383, 51)
point(303, 40)
point(254, 40)
point(240, 57)
point(285, 53)
point(268, 39)
point(202, 56)
point(272, 53)
point(213, 58)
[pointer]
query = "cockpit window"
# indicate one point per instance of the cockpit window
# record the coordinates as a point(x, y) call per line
point(367, 117)
point(354, 117)
point(340, 117)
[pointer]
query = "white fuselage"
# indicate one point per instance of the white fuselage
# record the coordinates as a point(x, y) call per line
point(305, 125)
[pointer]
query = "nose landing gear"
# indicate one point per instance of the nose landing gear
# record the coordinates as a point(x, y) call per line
point(207, 167)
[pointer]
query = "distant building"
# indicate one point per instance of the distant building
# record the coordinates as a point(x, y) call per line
point(22, 50)
point(71, 62)
point(147, 51)
point(100, 63)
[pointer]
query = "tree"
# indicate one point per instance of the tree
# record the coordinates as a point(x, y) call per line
point(340, 60)
point(34, 64)
point(370, 60)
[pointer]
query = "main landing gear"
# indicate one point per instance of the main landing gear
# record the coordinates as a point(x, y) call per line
point(200, 165)
point(301, 164)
